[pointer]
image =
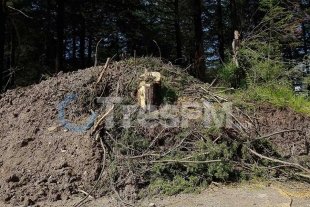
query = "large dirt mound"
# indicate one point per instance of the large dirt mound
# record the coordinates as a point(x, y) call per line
point(39, 158)
point(42, 160)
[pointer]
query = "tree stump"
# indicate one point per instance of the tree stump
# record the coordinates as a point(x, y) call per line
point(149, 92)
point(235, 47)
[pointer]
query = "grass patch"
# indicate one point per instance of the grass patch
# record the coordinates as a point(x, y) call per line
point(278, 94)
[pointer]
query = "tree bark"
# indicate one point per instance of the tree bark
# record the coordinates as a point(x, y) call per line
point(73, 43)
point(220, 31)
point(149, 95)
point(304, 35)
point(12, 57)
point(177, 32)
point(233, 13)
point(2, 39)
point(199, 54)
point(82, 44)
point(89, 50)
point(48, 34)
point(60, 35)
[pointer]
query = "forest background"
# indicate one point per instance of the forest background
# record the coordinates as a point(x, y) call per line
point(41, 38)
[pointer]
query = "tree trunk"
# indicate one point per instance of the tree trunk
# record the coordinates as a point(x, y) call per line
point(82, 44)
point(89, 51)
point(12, 57)
point(2, 36)
point(73, 44)
point(48, 34)
point(199, 54)
point(177, 32)
point(304, 35)
point(149, 92)
point(220, 31)
point(233, 13)
point(60, 35)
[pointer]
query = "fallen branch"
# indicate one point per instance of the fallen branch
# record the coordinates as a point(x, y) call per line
point(84, 192)
point(279, 161)
point(103, 70)
point(211, 84)
point(101, 120)
point(140, 156)
point(185, 161)
point(222, 91)
point(217, 138)
point(178, 145)
point(275, 133)
point(244, 129)
point(155, 139)
point(302, 175)
point(256, 130)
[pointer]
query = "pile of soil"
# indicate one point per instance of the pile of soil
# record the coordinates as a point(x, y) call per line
point(292, 144)
point(41, 160)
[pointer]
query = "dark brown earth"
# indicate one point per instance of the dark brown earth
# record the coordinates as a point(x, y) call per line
point(41, 161)
point(291, 143)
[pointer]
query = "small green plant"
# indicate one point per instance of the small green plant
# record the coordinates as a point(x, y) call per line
point(227, 73)
point(177, 185)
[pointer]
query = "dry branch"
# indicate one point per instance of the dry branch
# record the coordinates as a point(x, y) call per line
point(101, 120)
point(103, 70)
point(211, 84)
point(279, 161)
point(96, 53)
point(186, 161)
point(84, 192)
point(158, 49)
point(141, 156)
point(20, 12)
point(275, 133)
point(245, 130)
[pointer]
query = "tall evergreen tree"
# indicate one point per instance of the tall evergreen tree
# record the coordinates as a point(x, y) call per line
point(2, 40)
point(60, 35)
point(199, 54)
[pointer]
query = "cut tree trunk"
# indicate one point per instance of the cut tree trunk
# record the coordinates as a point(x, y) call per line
point(149, 92)
point(235, 47)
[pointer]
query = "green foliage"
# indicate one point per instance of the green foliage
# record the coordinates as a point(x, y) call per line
point(259, 69)
point(168, 95)
point(278, 93)
point(227, 74)
point(260, 52)
point(176, 177)
point(177, 185)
